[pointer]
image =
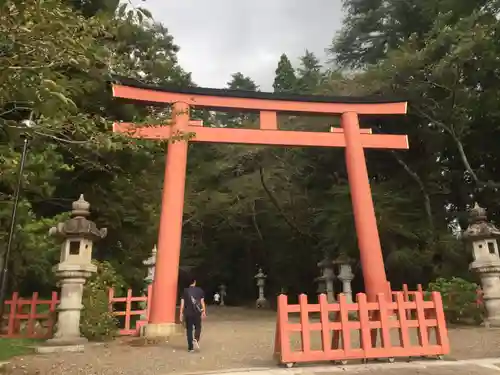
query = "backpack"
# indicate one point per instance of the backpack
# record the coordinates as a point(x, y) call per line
point(196, 304)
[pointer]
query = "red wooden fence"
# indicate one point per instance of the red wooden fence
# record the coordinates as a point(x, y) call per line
point(129, 327)
point(24, 318)
point(37, 324)
point(371, 317)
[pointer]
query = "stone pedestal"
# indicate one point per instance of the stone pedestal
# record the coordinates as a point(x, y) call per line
point(72, 278)
point(222, 292)
point(345, 275)
point(321, 285)
point(150, 263)
point(328, 277)
point(482, 236)
point(489, 273)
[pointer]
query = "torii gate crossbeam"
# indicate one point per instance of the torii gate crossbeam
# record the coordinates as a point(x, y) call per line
point(350, 136)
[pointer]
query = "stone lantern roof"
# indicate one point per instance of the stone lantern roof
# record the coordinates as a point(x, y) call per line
point(326, 262)
point(479, 228)
point(343, 259)
point(79, 225)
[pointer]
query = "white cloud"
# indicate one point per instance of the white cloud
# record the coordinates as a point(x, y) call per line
point(221, 37)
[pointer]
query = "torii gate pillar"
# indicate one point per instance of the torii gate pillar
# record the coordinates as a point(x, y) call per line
point(162, 309)
point(370, 251)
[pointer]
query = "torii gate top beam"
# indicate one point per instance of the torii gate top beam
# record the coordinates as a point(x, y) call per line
point(268, 105)
point(256, 101)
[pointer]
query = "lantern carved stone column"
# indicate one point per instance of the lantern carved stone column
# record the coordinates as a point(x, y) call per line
point(75, 267)
point(482, 236)
point(261, 282)
point(345, 275)
point(150, 263)
point(222, 292)
point(327, 278)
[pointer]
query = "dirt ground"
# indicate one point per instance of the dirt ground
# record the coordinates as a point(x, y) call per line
point(232, 338)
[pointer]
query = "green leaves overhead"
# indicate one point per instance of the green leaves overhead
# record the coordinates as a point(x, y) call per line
point(57, 57)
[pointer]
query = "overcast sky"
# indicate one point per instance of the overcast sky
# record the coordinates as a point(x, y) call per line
point(221, 37)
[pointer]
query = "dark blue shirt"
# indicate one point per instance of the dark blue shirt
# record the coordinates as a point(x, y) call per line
point(198, 294)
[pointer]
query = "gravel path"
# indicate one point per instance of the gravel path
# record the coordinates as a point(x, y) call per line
point(232, 338)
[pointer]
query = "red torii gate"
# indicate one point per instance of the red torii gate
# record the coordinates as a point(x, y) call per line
point(354, 139)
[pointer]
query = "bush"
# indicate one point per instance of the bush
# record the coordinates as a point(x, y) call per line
point(97, 322)
point(459, 300)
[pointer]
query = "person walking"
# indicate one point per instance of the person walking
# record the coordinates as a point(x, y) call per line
point(217, 298)
point(192, 311)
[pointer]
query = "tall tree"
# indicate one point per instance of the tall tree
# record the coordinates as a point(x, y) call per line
point(284, 80)
point(241, 82)
point(372, 28)
point(309, 76)
point(238, 82)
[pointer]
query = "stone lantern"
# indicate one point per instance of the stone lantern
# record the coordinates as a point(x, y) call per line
point(481, 237)
point(327, 278)
point(75, 267)
point(150, 263)
point(261, 282)
point(345, 275)
point(222, 292)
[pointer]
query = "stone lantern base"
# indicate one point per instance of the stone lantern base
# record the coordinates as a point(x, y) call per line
point(60, 348)
point(67, 338)
point(489, 273)
point(262, 303)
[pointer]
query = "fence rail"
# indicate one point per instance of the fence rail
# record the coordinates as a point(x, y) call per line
point(37, 322)
point(35, 318)
point(130, 325)
point(342, 336)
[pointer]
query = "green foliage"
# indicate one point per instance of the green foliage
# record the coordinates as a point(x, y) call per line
point(62, 84)
point(97, 322)
point(241, 82)
point(309, 74)
point(285, 80)
point(374, 28)
point(459, 300)
point(236, 120)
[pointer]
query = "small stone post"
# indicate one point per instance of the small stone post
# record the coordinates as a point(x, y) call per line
point(150, 263)
point(75, 267)
point(222, 292)
point(345, 275)
point(261, 282)
point(327, 277)
point(481, 237)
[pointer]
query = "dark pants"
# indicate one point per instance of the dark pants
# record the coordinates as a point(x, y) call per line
point(193, 322)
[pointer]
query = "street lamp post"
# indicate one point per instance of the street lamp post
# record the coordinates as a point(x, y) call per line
point(5, 268)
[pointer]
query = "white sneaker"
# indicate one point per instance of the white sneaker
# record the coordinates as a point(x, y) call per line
point(196, 344)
